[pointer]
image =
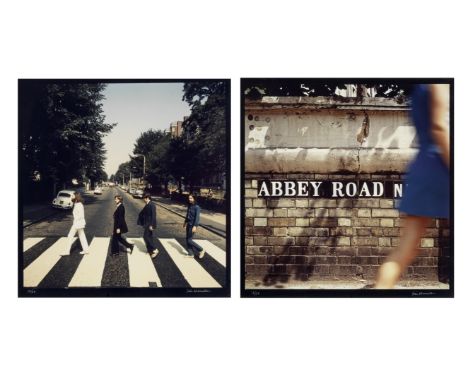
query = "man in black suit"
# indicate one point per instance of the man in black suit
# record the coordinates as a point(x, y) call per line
point(147, 219)
point(120, 227)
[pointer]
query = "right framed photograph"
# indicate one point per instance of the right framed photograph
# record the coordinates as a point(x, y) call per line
point(347, 187)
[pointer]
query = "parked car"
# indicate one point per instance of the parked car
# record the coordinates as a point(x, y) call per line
point(98, 191)
point(131, 190)
point(64, 200)
point(138, 194)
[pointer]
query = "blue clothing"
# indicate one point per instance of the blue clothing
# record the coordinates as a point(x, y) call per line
point(193, 215)
point(427, 182)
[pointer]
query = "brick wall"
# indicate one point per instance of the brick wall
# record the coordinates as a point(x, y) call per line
point(322, 238)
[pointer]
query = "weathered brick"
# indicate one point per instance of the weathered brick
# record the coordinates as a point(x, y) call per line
point(344, 222)
point(302, 203)
point(260, 259)
point(302, 222)
point(280, 212)
point(283, 240)
point(381, 251)
point(254, 183)
point(275, 203)
point(345, 251)
point(302, 240)
point(365, 222)
point(321, 212)
point(363, 232)
point(258, 212)
point(390, 231)
point(281, 222)
point(266, 231)
point(248, 222)
point(301, 231)
point(367, 260)
point(341, 231)
point(364, 213)
point(248, 240)
point(365, 241)
point(386, 203)
point(259, 250)
point(260, 240)
point(427, 242)
point(280, 231)
point(382, 213)
point(431, 232)
point(322, 203)
point(387, 222)
point(345, 203)
point(247, 184)
point(359, 203)
point(259, 203)
point(385, 242)
point(323, 222)
point(340, 212)
point(249, 259)
point(343, 240)
point(324, 240)
point(280, 250)
point(300, 212)
point(248, 203)
point(296, 251)
point(395, 241)
point(253, 269)
point(260, 222)
point(364, 251)
point(250, 193)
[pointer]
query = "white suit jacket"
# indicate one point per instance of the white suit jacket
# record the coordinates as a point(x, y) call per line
point(78, 216)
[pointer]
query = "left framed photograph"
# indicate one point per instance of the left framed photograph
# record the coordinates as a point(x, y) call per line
point(124, 187)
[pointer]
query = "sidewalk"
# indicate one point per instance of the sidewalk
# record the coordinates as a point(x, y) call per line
point(37, 211)
point(211, 220)
point(253, 283)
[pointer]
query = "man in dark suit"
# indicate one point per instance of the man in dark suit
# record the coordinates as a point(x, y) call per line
point(120, 227)
point(147, 219)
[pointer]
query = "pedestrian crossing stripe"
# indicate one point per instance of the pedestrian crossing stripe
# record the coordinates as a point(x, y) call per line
point(215, 252)
point(90, 270)
point(39, 268)
point(140, 266)
point(192, 271)
point(142, 270)
point(30, 242)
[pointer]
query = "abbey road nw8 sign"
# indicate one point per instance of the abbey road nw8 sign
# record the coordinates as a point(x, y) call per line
point(329, 189)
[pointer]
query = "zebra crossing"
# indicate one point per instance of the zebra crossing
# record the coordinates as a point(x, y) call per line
point(170, 269)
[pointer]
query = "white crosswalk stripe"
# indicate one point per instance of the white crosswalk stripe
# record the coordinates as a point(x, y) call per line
point(142, 271)
point(215, 252)
point(39, 268)
point(192, 271)
point(89, 272)
point(30, 242)
point(140, 266)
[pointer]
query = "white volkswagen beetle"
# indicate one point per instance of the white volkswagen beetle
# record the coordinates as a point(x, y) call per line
point(64, 199)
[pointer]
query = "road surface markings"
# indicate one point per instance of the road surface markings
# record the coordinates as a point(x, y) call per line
point(38, 269)
point(192, 271)
point(140, 266)
point(90, 270)
point(30, 242)
point(215, 252)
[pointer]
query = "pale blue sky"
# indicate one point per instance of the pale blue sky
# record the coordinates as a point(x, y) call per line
point(138, 107)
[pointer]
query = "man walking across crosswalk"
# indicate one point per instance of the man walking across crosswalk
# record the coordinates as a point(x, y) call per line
point(192, 219)
point(120, 227)
point(147, 219)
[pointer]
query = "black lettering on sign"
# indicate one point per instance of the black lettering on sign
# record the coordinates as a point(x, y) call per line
point(330, 189)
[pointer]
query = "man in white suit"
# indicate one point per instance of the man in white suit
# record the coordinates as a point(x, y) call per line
point(78, 226)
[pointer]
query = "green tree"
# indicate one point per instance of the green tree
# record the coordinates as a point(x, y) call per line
point(62, 126)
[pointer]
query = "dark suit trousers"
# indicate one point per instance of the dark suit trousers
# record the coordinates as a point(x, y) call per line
point(148, 238)
point(116, 238)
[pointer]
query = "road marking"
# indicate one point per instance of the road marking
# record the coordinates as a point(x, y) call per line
point(192, 271)
point(30, 242)
point(140, 266)
point(38, 269)
point(215, 252)
point(90, 270)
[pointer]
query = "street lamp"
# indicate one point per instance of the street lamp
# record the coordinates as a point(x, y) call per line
point(144, 161)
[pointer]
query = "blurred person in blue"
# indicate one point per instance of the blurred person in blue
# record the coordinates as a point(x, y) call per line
point(192, 220)
point(427, 185)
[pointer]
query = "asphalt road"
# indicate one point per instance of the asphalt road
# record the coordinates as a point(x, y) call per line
point(123, 270)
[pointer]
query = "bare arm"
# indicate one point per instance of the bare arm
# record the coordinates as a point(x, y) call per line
point(440, 95)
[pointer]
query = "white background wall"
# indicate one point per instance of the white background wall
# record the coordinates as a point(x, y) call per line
point(230, 339)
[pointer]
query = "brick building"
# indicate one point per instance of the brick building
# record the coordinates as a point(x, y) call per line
point(321, 138)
